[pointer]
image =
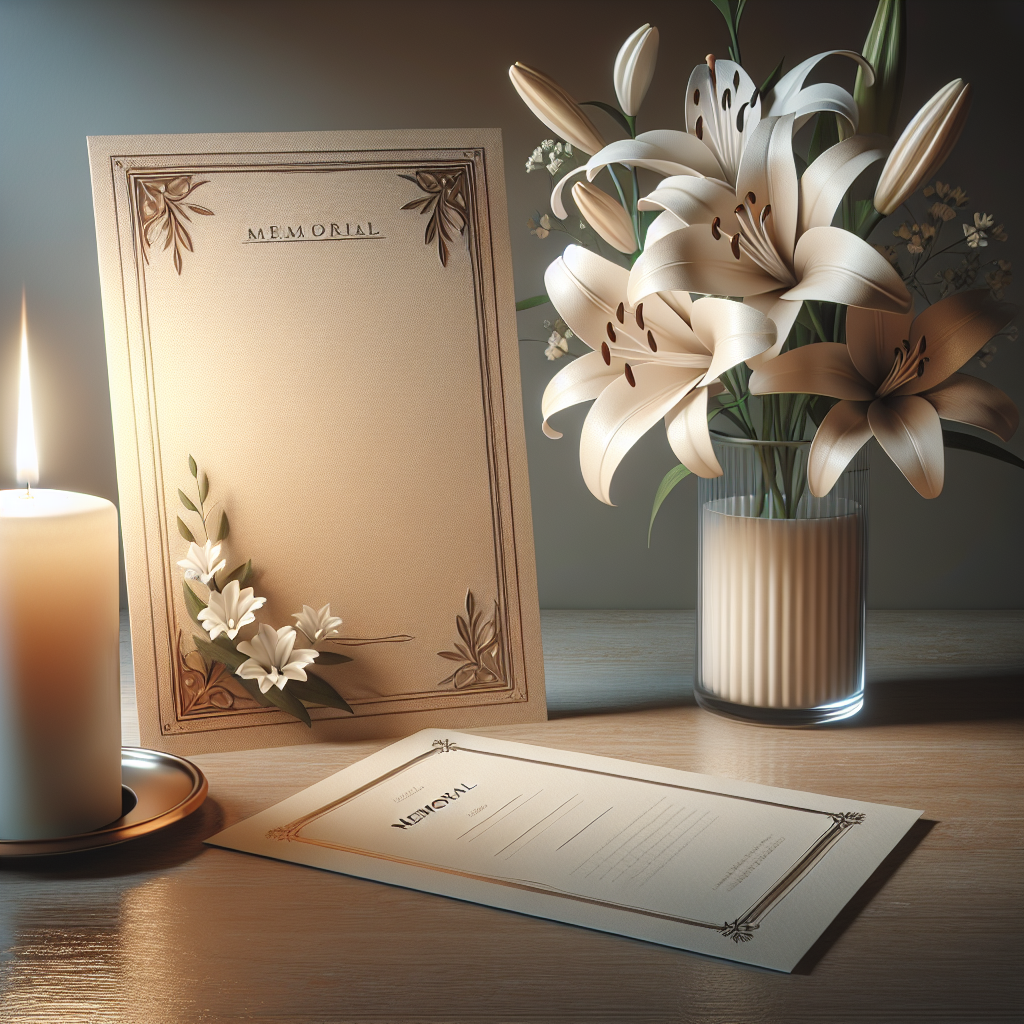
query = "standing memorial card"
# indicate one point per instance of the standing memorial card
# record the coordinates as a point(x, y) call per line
point(317, 418)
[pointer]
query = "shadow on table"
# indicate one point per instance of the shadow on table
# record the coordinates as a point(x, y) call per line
point(171, 846)
point(910, 701)
point(865, 894)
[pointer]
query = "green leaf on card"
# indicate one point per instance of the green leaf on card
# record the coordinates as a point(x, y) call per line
point(668, 483)
point(242, 573)
point(187, 501)
point(289, 703)
point(225, 527)
point(193, 605)
point(330, 658)
point(223, 652)
point(253, 689)
point(185, 531)
point(315, 690)
point(204, 487)
point(192, 467)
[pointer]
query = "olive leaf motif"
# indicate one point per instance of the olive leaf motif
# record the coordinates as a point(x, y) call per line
point(162, 207)
point(479, 653)
point(445, 203)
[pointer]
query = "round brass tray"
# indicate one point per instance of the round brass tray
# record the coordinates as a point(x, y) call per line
point(156, 790)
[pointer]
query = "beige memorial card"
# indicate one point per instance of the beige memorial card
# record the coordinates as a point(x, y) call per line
point(314, 377)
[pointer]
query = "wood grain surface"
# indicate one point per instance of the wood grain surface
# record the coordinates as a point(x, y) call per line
point(165, 930)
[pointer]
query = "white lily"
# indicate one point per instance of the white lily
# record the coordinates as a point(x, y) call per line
point(606, 216)
point(273, 659)
point(770, 241)
point(317, 624)
point(924, 145)
point(659, 358)
point(723, 110)
point(201, 562)
point(634, 68)
point(230, 610)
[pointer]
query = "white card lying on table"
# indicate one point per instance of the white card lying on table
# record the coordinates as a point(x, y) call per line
point(730, 869)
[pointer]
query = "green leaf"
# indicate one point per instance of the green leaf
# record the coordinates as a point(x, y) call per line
point(318, 691)
point(288, 702)
point(826, 135)
point(970, 443)
point(204, 487)
point(771, 80)
point(185, 531)
point(535, 300)
point(668, 483)
point(617, 115)
point(192, 603)
point(242, 573)
point(254, 691)
point(192, 467)
point(225, 526)
point(218, 650)
point(330, 658)
point(186, 501)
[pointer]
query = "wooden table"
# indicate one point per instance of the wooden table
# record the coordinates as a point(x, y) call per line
point(166, 930)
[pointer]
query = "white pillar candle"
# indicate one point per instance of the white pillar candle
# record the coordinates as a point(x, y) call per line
point(60, 715)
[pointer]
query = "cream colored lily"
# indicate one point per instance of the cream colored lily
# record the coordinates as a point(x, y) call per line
point(606, 216)
point(769, 241)
point(723, 109)
point(895, 379)
point(634, 68)
point(556, 108)
point(658, 359)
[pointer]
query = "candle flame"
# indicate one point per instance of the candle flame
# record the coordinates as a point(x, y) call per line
point(27, 459)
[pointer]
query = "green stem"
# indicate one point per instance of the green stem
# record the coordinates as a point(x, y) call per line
point(815, 321)
point(870, 222)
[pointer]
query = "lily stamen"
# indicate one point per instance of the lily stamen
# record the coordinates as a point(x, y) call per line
point(757, 243)
point(907, 364)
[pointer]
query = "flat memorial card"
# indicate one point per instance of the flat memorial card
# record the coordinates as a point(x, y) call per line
point(313, 363)
point(731, 869)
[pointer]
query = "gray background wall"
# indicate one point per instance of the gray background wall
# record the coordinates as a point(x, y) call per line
point(71, 68)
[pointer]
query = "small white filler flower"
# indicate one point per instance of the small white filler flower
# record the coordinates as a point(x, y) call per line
point(229, 611)
point(317, 624)
point(201, 562)
point(273, 659)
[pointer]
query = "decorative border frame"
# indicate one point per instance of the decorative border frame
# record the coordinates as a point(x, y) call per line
point(741, 929)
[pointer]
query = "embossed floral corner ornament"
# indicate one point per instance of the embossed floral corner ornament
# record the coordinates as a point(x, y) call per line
point(161, 202)
point(444, 203)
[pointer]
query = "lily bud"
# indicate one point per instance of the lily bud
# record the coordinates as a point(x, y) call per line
point(605, 216)
point(556, 108)
point(885, 48)
point(924, 145)
point(634, 68)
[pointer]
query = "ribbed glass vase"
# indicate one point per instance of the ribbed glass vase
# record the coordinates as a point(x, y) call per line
point(782, 579)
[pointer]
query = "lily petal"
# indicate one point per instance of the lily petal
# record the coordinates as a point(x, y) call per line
point(872, 336)
point(789, 95)
point(666, 151)
point(827, 180)
point(694, 201)
point(724, 123)
point(820, 369)
point(688, 435)
point(954, 328)
point(692, 260)
point(769, 172)
point(782, 312)
point(581, 381)
point(837, 266)
point(908, 429)
point(622, 415)
point(968, 399)
point(733, 331)
point(557, 206)
point(634, 68)
point(843, 432)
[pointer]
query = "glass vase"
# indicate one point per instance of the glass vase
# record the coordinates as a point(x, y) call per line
point(781, 590)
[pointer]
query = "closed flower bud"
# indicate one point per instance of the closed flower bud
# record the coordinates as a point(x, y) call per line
point(878, 101)
point(634, 68)
point(605, 216)
point(924, 145)
point(556, 108)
